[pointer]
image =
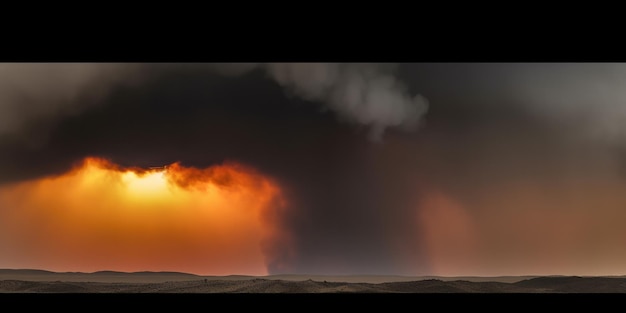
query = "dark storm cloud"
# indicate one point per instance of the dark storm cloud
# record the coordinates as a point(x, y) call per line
point(367, 94)
point(36, 92)
point(198, 117)
point(499, 143)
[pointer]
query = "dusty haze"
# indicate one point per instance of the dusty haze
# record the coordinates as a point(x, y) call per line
point(382, 169)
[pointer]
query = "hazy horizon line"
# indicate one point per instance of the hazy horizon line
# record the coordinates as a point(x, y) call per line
point(306, 274)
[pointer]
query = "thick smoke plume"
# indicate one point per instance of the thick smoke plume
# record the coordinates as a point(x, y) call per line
point(366, 94)
point(33, 93)
point(519, 171)
point(589, 97)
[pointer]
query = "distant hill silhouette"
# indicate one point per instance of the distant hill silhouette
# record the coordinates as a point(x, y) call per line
point(575, 284)
point(41, 281)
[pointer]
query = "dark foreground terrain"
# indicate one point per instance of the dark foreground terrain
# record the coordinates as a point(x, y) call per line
point(29, 281)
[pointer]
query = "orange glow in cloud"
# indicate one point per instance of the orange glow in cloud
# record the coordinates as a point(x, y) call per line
point(448, 234)
point(100, 216)
point(523, 228)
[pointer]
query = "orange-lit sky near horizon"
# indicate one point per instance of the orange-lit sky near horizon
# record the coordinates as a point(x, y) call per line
point(100, 216)
point(222, 220)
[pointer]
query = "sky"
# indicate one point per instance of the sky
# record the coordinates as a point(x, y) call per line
point(449, 169)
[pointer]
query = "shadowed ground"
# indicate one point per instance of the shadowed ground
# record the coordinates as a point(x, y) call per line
point(33, 281)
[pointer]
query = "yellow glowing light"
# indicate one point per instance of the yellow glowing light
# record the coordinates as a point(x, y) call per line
point(100, 216)
point(152, 183)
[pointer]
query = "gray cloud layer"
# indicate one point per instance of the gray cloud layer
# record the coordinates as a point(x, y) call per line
point(505, 148)
point(30, 92)
point(366, 94)
point(594, 95)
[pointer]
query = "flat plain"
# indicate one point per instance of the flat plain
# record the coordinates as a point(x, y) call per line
point(37, 281)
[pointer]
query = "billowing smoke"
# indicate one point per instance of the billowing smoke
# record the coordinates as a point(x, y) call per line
point(36, 93)
point(88, 109)
point(367, 94)
point(591, 96)
point(507, 176)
